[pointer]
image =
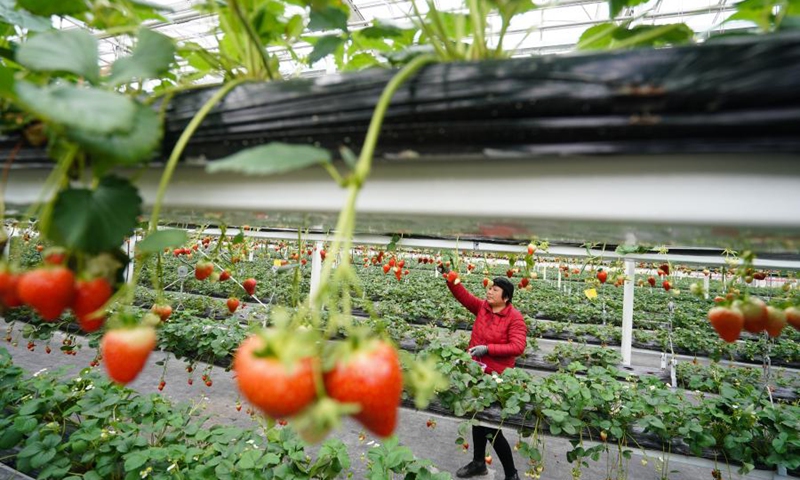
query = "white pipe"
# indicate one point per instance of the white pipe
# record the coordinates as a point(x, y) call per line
point(627, 312)
point(316, 270)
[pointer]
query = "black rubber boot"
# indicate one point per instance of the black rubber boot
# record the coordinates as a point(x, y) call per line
point(513, 477)
point(472, 469)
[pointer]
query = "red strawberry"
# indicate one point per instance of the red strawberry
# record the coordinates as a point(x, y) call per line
point(755, 314)
point(55, 256)
point(303, 261)
point(233, 304)
point(386, 268)
point(728, 322)
point(452, 277)
point(278, 389)
point(48, 290)
point(793, 317)
point(249, 286)
point(664, 268)
point(162, 310)
point(370, 377)
point(224, 275)
point(8, 289)
point(759, 275)
point(203, 270)
point(524, 282)
point(667, 286)
point(602, 276)
point(531, 249)
point(322, 254)
point(90, 295)
point(651, 281)
point(509, 273)
point(125, 351)
point(488, 459)
point(401, 264)
point(776, 321)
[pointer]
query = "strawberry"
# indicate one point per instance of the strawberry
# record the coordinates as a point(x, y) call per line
point(486, 282)
point(8, 289)
point(667, 286)
point(125, 351)
point(776, 321)
point(203, 270)
point(48, 290)
point(651, 281)
point(488, 459)
point(401, 264)
point(509, 273)
point(162, 310)
point(718, 299)
point(531, 248)
point(728, 322)
point(452, 277)
point(233, 304)
point(277, 388)
point(224, 275)
point(755, 314)
point(55, 256)
point(369, 376)
point(392, 262)
point(249, 286)
point(793, 317)
point(602, 275)
point(759, 275)
point(386, 268)
point(90, 295)
point(664, 268)
point(322, 254)
point(524, 282)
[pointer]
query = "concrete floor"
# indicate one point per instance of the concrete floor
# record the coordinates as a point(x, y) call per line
point(436, 444)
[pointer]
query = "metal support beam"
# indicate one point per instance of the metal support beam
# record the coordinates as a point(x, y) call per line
point(130, 248)
point(627, 311)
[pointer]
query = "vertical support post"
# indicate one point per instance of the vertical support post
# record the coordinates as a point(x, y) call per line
point(706, 285)
point(544, 272)
point(7, 248)
point(131, 251)
point(316, 270)
point(559, 279)
point(627, 312)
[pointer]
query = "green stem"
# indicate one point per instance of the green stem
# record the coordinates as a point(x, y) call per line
point(253, 37)
point(181, 145)
point(58, 179)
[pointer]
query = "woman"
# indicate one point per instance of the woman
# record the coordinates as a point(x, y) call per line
point(499, 336)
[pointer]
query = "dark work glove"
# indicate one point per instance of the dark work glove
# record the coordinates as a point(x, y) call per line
point(479, 350)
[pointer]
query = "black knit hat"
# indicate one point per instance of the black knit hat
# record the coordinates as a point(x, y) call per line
point(506, 286)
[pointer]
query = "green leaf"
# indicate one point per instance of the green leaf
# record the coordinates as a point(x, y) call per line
point(10, 14)
point(361, 61)
point(616, 6)
point(87, 109)
point(46, 8)
point(6, 81)
point(73, 51)
point(128, 148)
point(158, 241)
point(239, 238)
point(42, 458)
point(271, 159)
point(759, 12)
point(151, 57)
point(328, 18)
point(97, 220)
point(134, 461)
point(381, 29)
point(25, 424)
point(324, 47)
point(10, 438)
point(597, 37)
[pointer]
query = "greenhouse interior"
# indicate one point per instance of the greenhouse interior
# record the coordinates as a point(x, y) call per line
point(400, 239)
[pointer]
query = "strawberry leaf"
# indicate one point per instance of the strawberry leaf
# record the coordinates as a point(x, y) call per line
point(87, 109)
point(96, 220)
point(157, 241)
point(271, 159)
point(73, 51)
point(152, 56)
point(46, 8)
point(134, 146)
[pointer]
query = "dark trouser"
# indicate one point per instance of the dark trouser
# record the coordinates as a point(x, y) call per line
point(480, 435)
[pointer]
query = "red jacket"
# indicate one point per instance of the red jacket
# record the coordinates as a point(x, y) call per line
point(505, 332)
